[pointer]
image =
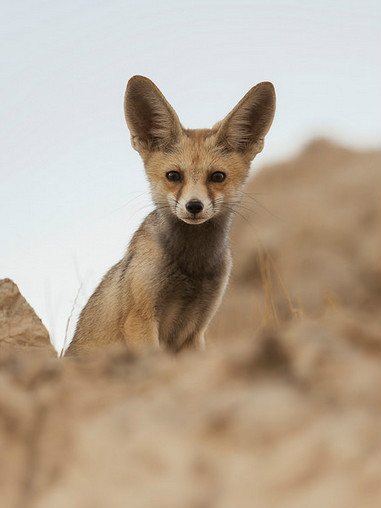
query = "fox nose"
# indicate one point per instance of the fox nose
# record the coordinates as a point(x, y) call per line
point(194, 206)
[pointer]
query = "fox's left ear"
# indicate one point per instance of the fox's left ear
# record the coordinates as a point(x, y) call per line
point(245, 127)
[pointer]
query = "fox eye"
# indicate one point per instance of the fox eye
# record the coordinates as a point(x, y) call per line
point(173, 176)
point(217, 176)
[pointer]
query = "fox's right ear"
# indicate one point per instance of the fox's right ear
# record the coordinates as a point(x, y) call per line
point(152, 121)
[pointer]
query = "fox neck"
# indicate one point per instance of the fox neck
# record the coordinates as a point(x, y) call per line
point(197, 250)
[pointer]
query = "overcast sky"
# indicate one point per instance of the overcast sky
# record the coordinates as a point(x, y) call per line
point(72, 190)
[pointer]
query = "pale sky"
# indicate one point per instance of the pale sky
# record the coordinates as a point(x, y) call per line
point(72, 190)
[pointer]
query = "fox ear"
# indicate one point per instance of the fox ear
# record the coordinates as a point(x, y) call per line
point(152, 121)
point(244, 128)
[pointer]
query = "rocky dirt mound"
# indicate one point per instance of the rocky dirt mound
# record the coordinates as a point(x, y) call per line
point(290, 419)
point(19, 324)
point(287, 417)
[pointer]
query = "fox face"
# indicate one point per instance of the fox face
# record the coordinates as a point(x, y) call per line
point(196, 174)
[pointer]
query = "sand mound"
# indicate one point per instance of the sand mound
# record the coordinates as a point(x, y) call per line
point(283, 408)
point(307, 240)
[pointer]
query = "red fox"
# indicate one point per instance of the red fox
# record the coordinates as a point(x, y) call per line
point(168, 286)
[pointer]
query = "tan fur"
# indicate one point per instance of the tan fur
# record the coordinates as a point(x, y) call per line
point(166, 289)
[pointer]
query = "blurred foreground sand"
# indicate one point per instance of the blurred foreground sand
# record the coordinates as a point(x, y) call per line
point(282, 410)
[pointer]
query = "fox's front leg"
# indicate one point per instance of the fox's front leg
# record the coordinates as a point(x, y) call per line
point(141, 327)
point(140, 330)
point(196, 341)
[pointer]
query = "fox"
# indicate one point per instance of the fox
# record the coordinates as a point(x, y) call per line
point(166, 289)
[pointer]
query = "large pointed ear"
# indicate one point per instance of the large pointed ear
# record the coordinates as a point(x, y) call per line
point(245, 127)
point(152, 121)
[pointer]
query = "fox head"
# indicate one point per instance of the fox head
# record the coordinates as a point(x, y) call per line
point(196, 174)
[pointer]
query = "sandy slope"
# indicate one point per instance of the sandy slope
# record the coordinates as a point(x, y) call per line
point(308, 241)
point(282, 410)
